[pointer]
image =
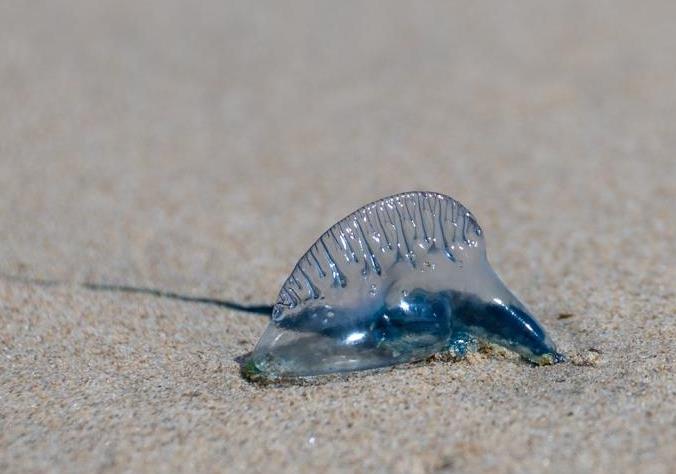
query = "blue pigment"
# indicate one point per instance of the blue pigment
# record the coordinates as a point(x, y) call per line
point(397, 281)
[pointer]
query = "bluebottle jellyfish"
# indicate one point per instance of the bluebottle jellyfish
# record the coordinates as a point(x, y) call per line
point(396, 281)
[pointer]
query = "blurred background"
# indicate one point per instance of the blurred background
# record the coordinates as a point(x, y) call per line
point(173, 143)
point(201, 147)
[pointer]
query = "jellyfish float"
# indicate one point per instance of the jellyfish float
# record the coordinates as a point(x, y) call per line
point(396, 281)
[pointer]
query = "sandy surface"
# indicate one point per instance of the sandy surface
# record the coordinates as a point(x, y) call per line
point(202, 149)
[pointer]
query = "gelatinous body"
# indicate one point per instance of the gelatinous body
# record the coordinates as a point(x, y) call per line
point(396, 281)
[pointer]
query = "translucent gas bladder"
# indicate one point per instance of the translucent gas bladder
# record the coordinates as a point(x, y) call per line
point(396, 281)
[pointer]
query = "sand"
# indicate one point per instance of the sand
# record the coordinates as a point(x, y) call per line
point(201, 148)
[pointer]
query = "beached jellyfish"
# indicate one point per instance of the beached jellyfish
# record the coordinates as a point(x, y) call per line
point(396, 281)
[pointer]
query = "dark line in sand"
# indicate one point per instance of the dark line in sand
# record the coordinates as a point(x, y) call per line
point(254, 308)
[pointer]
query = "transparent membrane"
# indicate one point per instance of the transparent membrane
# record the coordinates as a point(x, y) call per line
point(396, 281)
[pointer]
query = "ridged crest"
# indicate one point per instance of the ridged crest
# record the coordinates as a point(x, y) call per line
point(361, 247)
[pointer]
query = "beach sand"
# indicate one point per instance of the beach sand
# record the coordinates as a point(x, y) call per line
point(202, 148)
